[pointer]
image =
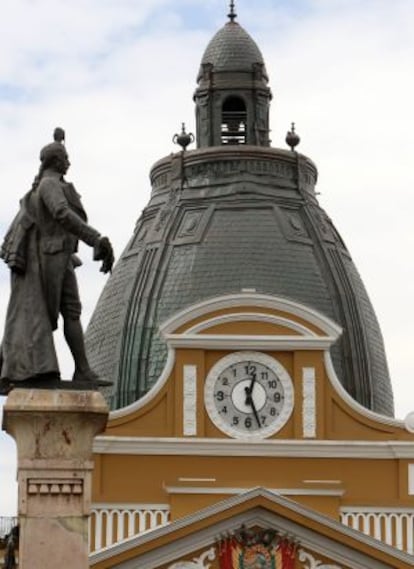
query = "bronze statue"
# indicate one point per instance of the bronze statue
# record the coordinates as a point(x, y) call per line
point(40, 249)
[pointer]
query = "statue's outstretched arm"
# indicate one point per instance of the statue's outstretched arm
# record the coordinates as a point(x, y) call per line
point(55, 200)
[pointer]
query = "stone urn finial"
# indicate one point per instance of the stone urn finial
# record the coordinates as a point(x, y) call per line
point(184, 138)
point(292, 139)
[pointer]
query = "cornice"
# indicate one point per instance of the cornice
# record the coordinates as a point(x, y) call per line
point(375, 510)
point(128, 506)
point(363, 450)
point(239, 342)
point(236, 491)
point(222, 153)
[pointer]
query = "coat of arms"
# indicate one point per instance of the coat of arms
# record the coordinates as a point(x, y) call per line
point(256, 549)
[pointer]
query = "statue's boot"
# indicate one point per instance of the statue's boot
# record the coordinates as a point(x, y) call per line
point(90, 379)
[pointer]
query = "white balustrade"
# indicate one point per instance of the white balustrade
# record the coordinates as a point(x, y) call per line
point(112, 523)
point(392, 526)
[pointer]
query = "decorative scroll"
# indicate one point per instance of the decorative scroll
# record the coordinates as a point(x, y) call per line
point(197, 562)
point(256, 549)
point(312, 563)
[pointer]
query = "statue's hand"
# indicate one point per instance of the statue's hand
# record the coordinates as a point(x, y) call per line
point(103, 251)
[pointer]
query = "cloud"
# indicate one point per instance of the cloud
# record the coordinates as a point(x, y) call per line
point(119, 77)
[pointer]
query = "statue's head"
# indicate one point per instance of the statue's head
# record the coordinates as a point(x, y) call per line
point(54, 155)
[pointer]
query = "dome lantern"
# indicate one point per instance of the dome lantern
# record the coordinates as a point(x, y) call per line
point(232, 98)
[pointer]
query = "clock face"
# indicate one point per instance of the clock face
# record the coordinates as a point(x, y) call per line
point(248, 395)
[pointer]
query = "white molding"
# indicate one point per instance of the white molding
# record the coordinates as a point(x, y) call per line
point(411, 479)
point(190, 400)
point(252, 299)
point(242, 342)
point(265, 448)
point(128, 506)
point(309, 402)
point(322, 481)
point(229, 491)
point(125, 411)
point(186, 479)
point(375, 510)
point(250, 317)
point(336, 384)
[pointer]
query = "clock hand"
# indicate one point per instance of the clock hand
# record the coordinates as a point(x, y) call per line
point(253, 381)
point(248, 396)
point(249, 390)
point(249, 401)
point(255, 412)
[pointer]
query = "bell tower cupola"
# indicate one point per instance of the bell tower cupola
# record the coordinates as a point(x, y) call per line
point(232, 98)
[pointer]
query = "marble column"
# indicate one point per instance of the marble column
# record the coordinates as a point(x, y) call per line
point(54, 432)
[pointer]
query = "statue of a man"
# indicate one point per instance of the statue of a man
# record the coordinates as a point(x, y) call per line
point(40, 248)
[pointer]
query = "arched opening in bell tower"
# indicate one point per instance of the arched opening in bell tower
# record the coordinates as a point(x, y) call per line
point(233, 121)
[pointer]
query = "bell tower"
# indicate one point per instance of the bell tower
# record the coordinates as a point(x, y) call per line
point(232, 98)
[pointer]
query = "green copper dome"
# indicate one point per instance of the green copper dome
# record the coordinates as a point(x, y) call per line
point(233, 214)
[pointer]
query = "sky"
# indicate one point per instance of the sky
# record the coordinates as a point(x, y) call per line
point(119, 75)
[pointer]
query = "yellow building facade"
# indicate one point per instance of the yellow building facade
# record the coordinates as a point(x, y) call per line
point(174, 460)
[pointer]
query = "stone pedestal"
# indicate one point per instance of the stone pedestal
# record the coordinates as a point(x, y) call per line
point(54, 431)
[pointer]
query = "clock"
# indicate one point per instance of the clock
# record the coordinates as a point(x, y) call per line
point(248, 395)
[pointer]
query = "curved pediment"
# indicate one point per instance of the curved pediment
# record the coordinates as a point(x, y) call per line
point(251, 306)
point(229, 329)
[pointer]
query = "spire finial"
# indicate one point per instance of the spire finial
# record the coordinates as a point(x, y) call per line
point(232, 14)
